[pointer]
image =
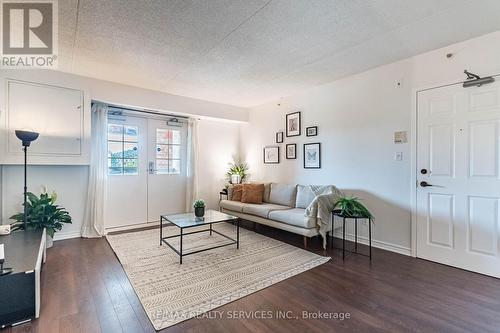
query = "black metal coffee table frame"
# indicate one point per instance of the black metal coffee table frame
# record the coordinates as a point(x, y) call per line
point(182, 234)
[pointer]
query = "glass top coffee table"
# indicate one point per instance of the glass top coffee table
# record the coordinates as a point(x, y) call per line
point(188, 220)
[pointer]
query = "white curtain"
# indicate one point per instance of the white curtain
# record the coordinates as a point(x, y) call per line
point(93, 219)
point(192, 164)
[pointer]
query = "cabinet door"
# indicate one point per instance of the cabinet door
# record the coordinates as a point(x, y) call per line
point(54, 112)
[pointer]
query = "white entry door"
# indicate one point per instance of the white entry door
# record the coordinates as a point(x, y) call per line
point(127, 202)
point(167, 169)
point(458, 177)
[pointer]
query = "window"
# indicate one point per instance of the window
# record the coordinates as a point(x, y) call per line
point(123, 155)
point(168, 151)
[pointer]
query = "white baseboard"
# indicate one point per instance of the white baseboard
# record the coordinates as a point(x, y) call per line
point(67, 235)
point(375, 243)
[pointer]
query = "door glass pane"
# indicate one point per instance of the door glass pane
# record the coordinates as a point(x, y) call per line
point(162, 136)
point(174, 152)
point(168, 151)
point(114, 166)
point(115, 132)
point(130, 134)
point(161, 166)
point(130, 150)
point(130, 166)
point(175, 166)
point(115, 149)
point(176, 137)
point(162, 151)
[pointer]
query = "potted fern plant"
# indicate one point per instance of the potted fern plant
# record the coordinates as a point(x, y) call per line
point(352, 207)
point(42, 212)
point(199, 208)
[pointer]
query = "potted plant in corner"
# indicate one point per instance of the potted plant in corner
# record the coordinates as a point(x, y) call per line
point(237, 173)
point(43, 213)
point(352, 207)
point(199, 208)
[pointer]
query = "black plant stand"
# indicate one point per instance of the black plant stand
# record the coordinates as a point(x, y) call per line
point(338, 213)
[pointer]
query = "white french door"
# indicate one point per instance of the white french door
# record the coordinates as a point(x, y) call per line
point(127, 202)
point(167, 169)
point(146, 170)
point(458, 177)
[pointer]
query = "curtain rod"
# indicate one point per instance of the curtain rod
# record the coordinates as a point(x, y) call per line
point(143, 110)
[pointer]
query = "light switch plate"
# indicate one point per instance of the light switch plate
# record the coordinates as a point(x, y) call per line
point(398, 156)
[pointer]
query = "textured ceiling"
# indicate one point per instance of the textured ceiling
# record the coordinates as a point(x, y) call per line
point(247, 52)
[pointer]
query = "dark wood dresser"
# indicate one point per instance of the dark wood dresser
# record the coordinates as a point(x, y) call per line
point(25, 251)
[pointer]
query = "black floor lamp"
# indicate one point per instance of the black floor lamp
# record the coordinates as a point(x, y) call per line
point(26, 138)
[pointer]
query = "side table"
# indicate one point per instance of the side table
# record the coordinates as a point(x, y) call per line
point(338, 213)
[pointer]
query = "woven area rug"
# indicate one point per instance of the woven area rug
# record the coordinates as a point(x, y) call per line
point(171, 293)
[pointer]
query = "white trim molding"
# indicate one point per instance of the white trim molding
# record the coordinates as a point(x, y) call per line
point(375, 243)
point(67, 235)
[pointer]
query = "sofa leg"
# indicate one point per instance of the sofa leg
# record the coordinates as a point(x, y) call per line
point(305, 241)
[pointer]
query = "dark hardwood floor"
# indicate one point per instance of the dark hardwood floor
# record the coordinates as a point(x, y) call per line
point(84, 289)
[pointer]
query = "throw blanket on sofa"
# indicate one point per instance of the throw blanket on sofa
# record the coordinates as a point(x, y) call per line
point(321, 208)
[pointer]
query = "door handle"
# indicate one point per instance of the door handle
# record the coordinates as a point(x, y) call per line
point(426, 184)
point(151, 168)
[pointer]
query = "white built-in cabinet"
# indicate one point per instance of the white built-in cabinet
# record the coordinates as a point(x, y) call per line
point(57, 113)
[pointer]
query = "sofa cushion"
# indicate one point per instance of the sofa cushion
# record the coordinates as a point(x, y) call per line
point(237, 192)
point(252, 193)
point(283, 194)
point(232, 205)
point(304, 196)
point(294, 216)
point(262, 210)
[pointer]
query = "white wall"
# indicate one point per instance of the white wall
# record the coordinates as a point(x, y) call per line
point(219, 144)
point(70, 183)
point(356, 119)
point(219, 135)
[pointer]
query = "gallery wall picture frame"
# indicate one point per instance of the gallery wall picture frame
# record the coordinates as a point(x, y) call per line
point(279, 137)
point(312, 131)
point(293, 124)
point(271, 155)
point(312, 155)
point(291, 151)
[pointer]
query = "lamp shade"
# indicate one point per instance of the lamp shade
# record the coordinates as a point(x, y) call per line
point(26, 137)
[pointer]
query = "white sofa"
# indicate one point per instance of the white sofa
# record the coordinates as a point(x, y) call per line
point(283, 207)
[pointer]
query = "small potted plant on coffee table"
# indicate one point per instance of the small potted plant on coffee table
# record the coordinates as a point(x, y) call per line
point(199, 208)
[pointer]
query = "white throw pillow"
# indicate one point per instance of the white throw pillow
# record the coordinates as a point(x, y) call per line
point(304, 196)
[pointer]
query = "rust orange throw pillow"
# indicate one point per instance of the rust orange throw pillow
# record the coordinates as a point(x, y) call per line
point(237, 192)
point(252, 193)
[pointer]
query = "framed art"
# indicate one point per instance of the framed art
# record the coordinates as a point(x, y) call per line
point(293, 124)
point(291, 151)
point(279, 137)
point(271, 155)
point(312, 155)
point(312, 131)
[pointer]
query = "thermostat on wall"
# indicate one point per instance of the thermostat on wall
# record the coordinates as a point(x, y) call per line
point(400, 137)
